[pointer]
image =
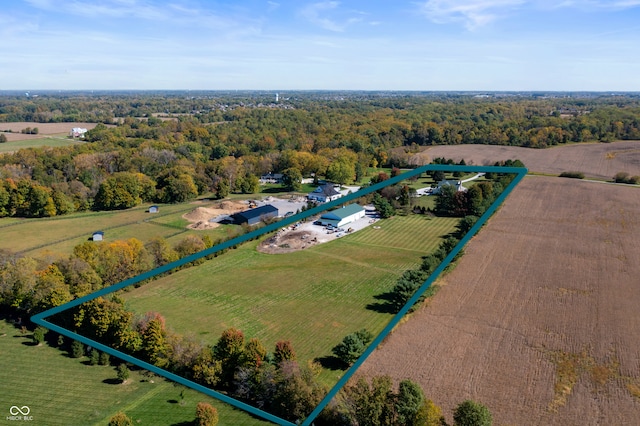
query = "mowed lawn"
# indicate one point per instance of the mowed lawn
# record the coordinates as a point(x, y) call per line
point(36, 143)
point(64, 391)
point(313, 297)
point(58, 235)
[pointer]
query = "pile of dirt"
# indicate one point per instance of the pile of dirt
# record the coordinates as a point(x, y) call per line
point(201, 216)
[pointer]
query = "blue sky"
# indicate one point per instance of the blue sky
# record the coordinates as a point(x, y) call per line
point(355, 45)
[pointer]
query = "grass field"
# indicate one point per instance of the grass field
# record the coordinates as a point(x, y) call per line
point(312, 297)
point(37, 143)
point(57, 236)
point(64, 391)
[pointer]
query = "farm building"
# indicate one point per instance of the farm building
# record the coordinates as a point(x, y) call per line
point(456, 183)
point(343, 216)
point(324, 193)
point(77, 132)
point(254, 216)
point(98, 236)
point(153, 209)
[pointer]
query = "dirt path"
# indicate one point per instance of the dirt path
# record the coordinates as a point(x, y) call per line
point(539, 320)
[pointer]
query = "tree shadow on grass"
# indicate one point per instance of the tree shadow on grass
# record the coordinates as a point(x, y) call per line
point(172, 401)
point(191, 423)
point(29, 343)
point(112, 381)
point(332, 363)
point(385, 306)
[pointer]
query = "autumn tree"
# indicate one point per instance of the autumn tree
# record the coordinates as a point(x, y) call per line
point(206, 414)
point(120, 419)
point(283, 352)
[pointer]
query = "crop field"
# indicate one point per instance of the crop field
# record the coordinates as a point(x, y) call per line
point(595, 160)
point(539, 320)
point(60, 390)
point(58, 235)
point(312, 297)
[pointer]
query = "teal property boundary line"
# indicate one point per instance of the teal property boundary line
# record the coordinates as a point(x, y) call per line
point(41, 318)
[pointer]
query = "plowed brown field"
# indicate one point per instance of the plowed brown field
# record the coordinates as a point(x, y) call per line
point(539, 320)
point(596, 160)
point(44, 129)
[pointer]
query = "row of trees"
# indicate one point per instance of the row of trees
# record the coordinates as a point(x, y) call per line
point(31, 286)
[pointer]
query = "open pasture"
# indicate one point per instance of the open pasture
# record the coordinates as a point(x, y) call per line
point(595, 160)
point(312, 297)
point(35, 142)
point(57, 236)
point(60, 390)
point(539, 319)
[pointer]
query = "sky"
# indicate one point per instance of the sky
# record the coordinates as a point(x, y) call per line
point(470, 45)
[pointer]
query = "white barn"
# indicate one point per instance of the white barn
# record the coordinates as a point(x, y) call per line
point(343, 216)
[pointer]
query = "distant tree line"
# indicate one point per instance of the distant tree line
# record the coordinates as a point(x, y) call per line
point(226, 147)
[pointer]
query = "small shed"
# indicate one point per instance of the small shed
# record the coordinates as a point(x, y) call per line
point(343, 216)
point(98, 236)
point(254, 216)
point(153, 209)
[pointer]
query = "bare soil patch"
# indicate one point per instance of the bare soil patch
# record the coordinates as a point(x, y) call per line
point(288, 241)
point(539, 319)
point(595, 160)
point(200, 217)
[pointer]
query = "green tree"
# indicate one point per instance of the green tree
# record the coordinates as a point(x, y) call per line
point(292, 179)
point(38, 335)
point(341, 171)
point(471, 413)
point(206, 414)
point(104, 358)
point(122, 372)
point(352, 346)
point(77, 349)
point(229, 350)
point(154, 345)
point(120, 419)
point(371, 405)
point(409, 401)
point(94, 357)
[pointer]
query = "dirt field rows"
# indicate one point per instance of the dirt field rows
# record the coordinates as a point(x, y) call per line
point(596, 160)
point(44, 129)
point(539, 320)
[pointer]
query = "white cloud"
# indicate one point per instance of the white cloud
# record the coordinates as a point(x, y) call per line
point(329, 16)
point(477, 13)
point(314, 14)
point(472, 13)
